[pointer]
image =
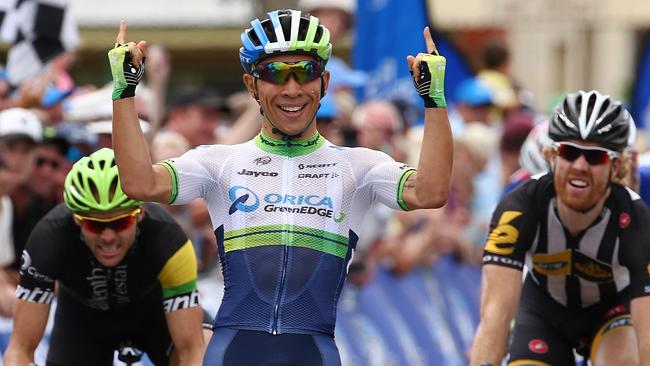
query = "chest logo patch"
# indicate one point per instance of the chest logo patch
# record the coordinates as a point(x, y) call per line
point(624, 220)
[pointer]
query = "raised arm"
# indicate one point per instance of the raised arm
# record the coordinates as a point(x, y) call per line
point(500, 291)
point(140, 179)
point(429, 186)
point(30, 320)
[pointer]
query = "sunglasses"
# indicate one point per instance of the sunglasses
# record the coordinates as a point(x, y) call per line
point(40, 161)
point(118, 223)
point(278, 72)
point(594, 155)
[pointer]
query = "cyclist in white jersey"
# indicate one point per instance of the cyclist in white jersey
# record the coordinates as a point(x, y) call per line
point(286, 206)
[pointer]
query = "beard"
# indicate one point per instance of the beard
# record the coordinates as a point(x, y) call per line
point(582, 202)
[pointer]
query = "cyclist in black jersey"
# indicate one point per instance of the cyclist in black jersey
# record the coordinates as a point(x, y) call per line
point(123, 272)
point(285, 206)
point(584, 241)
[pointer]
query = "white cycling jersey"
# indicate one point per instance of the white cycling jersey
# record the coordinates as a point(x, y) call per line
point(286, 219)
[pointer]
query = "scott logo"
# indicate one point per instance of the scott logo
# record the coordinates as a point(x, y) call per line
point(239, 202)
point(314, 166)
point(257, 174)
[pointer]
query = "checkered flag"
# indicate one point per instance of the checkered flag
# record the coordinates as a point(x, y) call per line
point(38, 31)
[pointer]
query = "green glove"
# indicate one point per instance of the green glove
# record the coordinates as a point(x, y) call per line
point(431, 83)
point(125, 76)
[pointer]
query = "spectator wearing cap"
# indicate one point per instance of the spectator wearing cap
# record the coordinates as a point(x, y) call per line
point(473, 104)
point(194, 114)
point(82, 141)
point(20, 131)
point(104, 131)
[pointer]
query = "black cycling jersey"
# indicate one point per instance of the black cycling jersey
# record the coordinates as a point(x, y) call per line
point(576, 272)
point(99, 308)
point(157, 262)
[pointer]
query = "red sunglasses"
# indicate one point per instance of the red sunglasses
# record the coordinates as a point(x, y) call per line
point(118, 223)
point(594, 155)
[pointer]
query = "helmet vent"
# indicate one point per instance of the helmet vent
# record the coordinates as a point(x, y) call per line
point(112, 189)
point(590, 104)
point(285, 23)
point(611, 116)
point(253, 38)
point(93, 190)
point(102, 164)
point(302, 29)
point(567, 109)
point(91, 165)
point(318, 35)
point(603, 107)
point(270, 32)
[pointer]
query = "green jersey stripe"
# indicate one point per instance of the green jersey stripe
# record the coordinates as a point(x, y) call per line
point(178, 290)
point(277, 238)
point(400, 188)
point(291, 148)
point(172, 172)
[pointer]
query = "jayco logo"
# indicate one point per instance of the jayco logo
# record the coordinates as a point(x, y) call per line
point(257, 174)
point(239, 201)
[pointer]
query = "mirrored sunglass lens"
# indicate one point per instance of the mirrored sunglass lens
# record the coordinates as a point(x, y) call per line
point(279, 72)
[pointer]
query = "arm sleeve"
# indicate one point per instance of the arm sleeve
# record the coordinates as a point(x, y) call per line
point(178, 279)
point(635, 249)
point(512, 230)
point(383, 177)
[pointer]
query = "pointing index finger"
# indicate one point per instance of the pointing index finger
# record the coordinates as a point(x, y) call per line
point(431, 47)
point(121, 33)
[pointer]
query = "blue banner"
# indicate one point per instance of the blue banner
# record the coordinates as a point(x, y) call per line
point(386, 33)
point(641, 94)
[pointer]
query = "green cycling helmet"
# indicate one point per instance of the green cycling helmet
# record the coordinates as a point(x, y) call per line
point(93, 184)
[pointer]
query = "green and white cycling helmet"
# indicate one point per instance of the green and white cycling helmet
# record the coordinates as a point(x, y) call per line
point(284, 31)
point(93, 184)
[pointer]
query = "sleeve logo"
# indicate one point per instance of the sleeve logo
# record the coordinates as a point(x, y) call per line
point(502, 239)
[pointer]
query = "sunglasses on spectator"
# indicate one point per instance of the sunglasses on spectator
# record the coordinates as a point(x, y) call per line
point(594, 155)
point(118, 223)
point(278, 72)
point(54, 164)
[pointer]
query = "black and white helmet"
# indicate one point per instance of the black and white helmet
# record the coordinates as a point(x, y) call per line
point(591, 116)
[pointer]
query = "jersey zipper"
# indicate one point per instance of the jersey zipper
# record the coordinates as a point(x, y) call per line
point(285, 255)
point(276, 311)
